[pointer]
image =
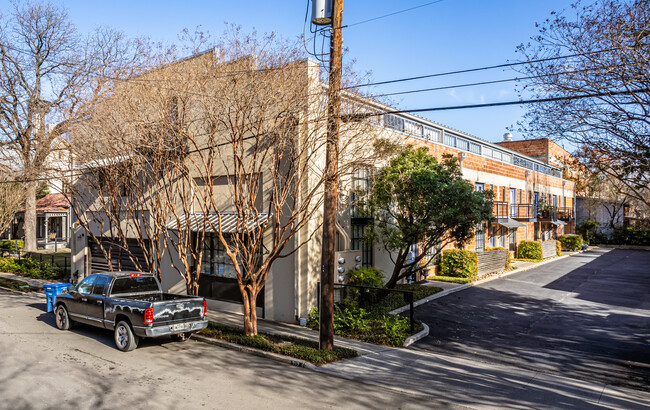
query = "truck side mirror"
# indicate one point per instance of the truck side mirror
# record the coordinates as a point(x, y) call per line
point(71, 288)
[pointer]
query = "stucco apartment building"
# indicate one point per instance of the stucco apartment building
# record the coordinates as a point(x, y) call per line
point(532, 201)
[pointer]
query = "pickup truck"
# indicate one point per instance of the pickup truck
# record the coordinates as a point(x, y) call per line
point(133, 305)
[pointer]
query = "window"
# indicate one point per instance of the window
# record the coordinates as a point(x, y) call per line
point(357, 243)
point(496, 155)
point(450, 140)
point(502, 238)
point(86, 285)
point(493, 235)
point(474, 148)
point(506, 157)
point(479, 238)
point(136, 284)
point(216, 261)
point(361, 183)
point(359, 223)
point(479, 187)
point(100, 285)
point(413, 128)
point(394, 122)
point(462, 144)
point(431, 134)
point(487, 151)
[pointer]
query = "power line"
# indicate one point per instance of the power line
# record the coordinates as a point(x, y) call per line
point(393, 13)
point(518, 102)
point(469, 70)
point(420, 90)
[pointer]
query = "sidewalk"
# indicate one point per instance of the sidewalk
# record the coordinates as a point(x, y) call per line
point(38, 283)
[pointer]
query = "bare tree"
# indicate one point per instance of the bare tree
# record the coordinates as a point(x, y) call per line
point(224, 151)
point(610, 42)
point(50, 73)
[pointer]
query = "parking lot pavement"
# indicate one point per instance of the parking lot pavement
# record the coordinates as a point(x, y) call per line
point(586, 317)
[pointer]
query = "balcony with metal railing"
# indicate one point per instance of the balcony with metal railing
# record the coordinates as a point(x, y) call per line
point(522, 211)
point(502, 209)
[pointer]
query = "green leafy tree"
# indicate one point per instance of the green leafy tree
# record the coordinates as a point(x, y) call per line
point(418, 200)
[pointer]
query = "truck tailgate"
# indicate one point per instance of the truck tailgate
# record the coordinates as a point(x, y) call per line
point(175, 311)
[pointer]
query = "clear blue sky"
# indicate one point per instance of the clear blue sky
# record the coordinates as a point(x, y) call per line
point(450, 35)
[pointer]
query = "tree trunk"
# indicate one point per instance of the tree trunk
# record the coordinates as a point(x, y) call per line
point(29, 225)
point(250, 313)
point(399, 263)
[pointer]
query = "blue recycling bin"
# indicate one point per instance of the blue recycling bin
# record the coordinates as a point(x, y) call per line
point(51, 290)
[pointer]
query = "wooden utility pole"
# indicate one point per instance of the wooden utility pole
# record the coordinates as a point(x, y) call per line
point(331, 181)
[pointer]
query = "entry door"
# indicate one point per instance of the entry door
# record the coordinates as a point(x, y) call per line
point(513, 202)
point(512, 240)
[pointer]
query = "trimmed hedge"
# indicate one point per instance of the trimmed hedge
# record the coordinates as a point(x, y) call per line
point(8, 245)
point(571, 243)
point(529, 250)
point(31, 268)
point(558, 248)
point(459, 263)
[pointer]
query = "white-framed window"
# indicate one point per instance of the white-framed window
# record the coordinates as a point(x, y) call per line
point(431, 134)
point(450, 140)
point(462, 144)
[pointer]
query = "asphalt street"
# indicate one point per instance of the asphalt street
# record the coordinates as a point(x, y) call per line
point(585, 317)
point(42, 367)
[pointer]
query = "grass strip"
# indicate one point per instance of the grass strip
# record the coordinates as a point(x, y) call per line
point(285, 345)
point(451, 279)
point(528, 260)
point(17, 285)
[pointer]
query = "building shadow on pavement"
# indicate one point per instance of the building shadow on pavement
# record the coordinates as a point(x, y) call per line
point(562, 328)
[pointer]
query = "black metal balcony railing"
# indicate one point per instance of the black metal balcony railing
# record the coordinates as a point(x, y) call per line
point(565, 213)
point(554, 213)
point(522, 211)
point(529, 211)
point(500, 209)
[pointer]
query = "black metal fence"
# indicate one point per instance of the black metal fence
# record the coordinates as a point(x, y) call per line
point(59, 261)
point(374, 300)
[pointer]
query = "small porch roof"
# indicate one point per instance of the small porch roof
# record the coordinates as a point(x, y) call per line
point(557, 222)
point(230, 222)
point(510, 223)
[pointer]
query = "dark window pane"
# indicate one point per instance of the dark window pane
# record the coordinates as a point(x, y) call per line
point(100, 285)
point(136, 284)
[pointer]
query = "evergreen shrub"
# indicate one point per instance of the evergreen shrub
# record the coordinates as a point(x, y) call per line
point(571, 243)
point(459, 263)
point(529, 250)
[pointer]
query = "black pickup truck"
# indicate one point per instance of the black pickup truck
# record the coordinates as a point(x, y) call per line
point(133, 305)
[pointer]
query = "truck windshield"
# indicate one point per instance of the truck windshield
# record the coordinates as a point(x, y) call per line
point(138, 284)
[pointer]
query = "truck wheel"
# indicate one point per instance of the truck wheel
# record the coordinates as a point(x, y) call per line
point(62, 318)
point(182, 337)
point(125, 339)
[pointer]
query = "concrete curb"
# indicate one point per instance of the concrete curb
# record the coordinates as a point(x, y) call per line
point(414, 338)
point(256, 352)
